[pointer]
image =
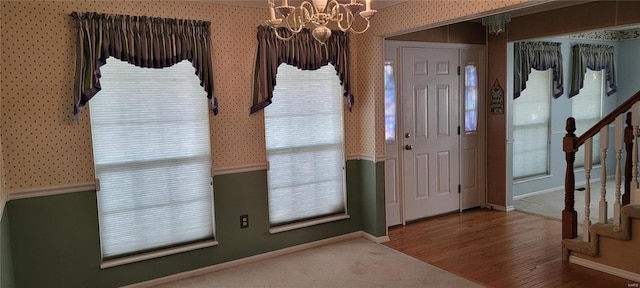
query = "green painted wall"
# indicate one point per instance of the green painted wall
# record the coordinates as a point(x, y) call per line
point(373, 202)
point(55, 239)
point(6, 261)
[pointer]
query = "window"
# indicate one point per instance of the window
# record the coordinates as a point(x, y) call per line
point(151, 144)
point(305, 150)
point(531, 126)
point(470, 98)
point(389, 102)
point(587, 110)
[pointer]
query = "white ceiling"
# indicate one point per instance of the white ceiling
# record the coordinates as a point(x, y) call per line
point(375, 4)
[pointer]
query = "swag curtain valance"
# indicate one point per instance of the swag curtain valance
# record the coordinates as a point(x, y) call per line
point(142, 41)
point(302, 51)
point(540, 56)
point(596, 58)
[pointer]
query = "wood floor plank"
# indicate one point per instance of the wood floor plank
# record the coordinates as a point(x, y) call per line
point(497, 249)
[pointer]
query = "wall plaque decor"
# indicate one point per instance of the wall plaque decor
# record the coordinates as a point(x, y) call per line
point(496, 103)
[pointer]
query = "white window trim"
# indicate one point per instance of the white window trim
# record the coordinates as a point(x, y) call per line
point(308, 223)
point(156, 254)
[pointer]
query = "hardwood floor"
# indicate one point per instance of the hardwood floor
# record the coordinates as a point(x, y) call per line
point(498, 249)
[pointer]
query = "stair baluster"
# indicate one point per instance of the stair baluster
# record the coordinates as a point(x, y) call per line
point(586, 223)
point(604, 144)
point(569, 214)
point(634, 198)
point(628, 147)
point(619, 137)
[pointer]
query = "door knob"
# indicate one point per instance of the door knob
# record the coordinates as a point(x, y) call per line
point(408, 147)
point(407, 135)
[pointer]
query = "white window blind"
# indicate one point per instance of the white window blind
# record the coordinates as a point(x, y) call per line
point(587, 110)
point(151, 144)
point(305, 150)
point(531, 126)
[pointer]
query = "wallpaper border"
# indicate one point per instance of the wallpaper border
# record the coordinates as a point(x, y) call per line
point(22, 193)
point(50, 190)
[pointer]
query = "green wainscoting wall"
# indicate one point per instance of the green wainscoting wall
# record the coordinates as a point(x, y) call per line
point(373, 202)
point(54, 240)
point(6, 261)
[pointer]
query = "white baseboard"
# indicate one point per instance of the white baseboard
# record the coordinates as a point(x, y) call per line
point(256, 258)
point(500, 207)
point(605, 268)
point(578, 184)
point(545, 191)
point(381, 239)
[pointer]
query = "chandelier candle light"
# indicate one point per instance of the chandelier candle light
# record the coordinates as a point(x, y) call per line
point(319, 13)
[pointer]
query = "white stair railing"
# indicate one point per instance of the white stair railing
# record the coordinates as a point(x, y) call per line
point(624, 137)
point(604, 143)
point(619, 139)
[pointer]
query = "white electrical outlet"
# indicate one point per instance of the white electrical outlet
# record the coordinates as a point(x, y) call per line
point(244, 221)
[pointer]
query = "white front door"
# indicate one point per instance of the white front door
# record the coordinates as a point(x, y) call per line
point(429, 135)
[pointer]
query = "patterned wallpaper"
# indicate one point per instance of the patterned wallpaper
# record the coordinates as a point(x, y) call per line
point(42, 146)
point(607, 35)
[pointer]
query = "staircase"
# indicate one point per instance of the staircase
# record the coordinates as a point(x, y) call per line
point(609, 244)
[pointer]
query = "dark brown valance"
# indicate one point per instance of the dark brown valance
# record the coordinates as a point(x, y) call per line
point(302, 51)
point(142, 41)
point(537, 55)
point(596, 58)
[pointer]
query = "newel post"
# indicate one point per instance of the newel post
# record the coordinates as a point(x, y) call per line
point(628, 145)
point(569, 214)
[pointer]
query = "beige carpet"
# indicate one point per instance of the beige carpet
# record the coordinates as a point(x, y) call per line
point(551, 204)
point(352, 263)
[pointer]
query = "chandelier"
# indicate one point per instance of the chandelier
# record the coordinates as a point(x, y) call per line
point(497, 23)
point(319, 13)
